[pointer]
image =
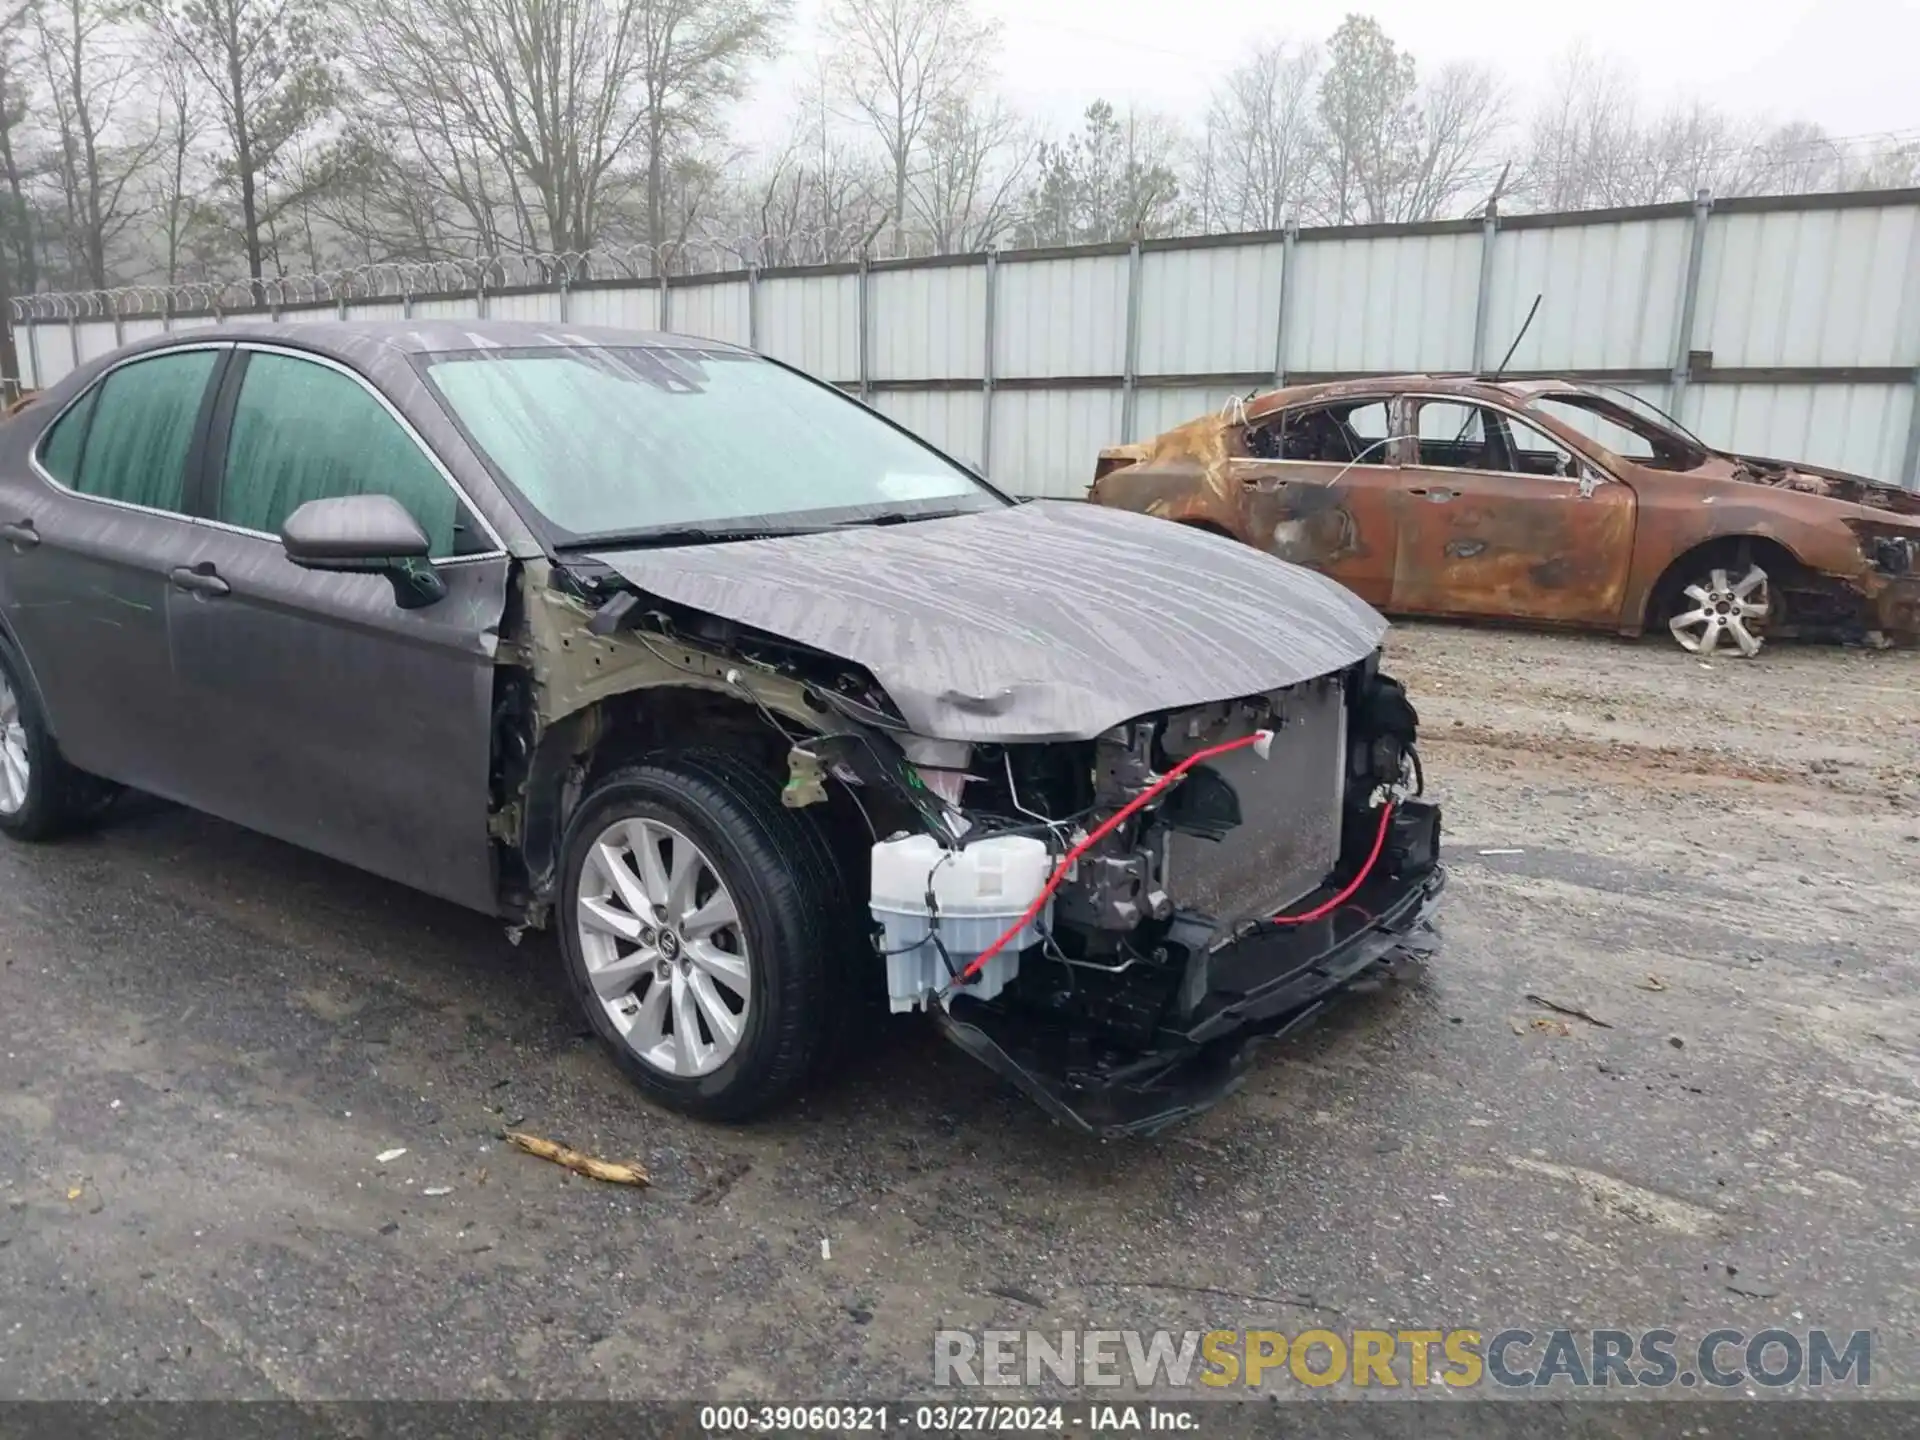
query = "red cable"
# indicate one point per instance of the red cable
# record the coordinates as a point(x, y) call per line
point(1104, 829)
point(1319, 911)
point(1113, 821)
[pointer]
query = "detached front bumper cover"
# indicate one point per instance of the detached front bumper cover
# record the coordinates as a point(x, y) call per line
point(1271, 982)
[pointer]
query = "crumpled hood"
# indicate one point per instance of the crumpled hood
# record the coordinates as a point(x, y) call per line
point(1047, 621)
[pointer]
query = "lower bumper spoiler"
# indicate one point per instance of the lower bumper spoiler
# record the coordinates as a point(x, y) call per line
point(1270, 982)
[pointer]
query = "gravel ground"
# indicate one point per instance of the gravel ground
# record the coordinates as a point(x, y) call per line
point(207, 1039)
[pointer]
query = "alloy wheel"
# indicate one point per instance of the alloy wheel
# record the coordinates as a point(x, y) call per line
point(664, 948)
point(1723, 609)
point(16, 767)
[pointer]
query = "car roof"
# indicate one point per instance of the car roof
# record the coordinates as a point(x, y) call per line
point(1518, 393)
point(373, 345)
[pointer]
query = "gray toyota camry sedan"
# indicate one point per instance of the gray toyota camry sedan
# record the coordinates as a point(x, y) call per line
point(779, 718)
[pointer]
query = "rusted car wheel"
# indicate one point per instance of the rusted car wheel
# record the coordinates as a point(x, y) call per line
point(1717, 613)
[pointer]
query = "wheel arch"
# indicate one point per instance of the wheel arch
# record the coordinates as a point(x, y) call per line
point(1767, 551)
point(540, 793)
point(25, 662)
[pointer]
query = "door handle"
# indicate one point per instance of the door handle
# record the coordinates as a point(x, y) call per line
point(1438, 496)
point(20, 534)
point(199, 579)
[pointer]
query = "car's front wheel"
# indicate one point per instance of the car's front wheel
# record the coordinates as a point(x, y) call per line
point(1722, 608)
point(41, 796)
point(701, 920)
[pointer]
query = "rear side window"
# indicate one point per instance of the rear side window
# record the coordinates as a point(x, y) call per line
point(133, 445)
point(1343, 433)
point(303, 431)
point(60, 450)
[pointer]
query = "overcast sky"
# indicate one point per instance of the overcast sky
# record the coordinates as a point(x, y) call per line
point(1851, 65)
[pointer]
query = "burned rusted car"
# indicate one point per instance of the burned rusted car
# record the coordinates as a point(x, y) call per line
point(1540, 501)
point(776, 714)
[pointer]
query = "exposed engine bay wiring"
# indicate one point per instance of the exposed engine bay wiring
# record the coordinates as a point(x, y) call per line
point(1100, 832)
point(859, 710)
point(853, 794)
point(1139, 802)
point(1054, 827)
point(732, 679)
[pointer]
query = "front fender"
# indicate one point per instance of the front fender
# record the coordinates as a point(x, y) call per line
point(1812, 529)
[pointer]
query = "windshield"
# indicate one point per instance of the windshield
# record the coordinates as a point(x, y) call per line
point(1625, 432)
point(625, 441)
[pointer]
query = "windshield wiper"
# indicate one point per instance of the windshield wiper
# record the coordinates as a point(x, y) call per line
point(900, 517)
point(724, 533)
point(683, 535)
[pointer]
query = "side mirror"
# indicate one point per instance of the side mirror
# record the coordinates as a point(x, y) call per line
point(369, 535)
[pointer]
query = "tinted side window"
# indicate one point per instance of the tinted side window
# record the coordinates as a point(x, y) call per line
point(60, 446)
point(136, 447)
point(302, 431)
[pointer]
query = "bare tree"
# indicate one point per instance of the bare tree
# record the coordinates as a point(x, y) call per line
point(18, 267)
point(518, 110)
point(1891, 165)
point(1588, 146)
point(177, 126)
point(529, 115)
point(694, 55)
point(264, 62)
point(1453, 144)
point(1800, 158)
point(1584, 148)
point(1260, 126)
point(93, 79)
point(1694, 147)
point(18, 271)
point(966, 194)
point(900, 62)
point(817, 197)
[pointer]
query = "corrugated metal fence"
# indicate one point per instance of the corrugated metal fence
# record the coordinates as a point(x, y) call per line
point(1780, 326)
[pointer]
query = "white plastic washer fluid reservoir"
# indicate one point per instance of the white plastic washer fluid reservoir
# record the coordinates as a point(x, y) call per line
point(978, 891)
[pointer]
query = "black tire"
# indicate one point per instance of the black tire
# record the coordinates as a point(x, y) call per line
point(794, 913)
point(60, 799)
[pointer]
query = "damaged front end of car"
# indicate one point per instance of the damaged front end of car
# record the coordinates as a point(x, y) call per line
point(1866, 591)
point(1267, 851)
point(1108, 841)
